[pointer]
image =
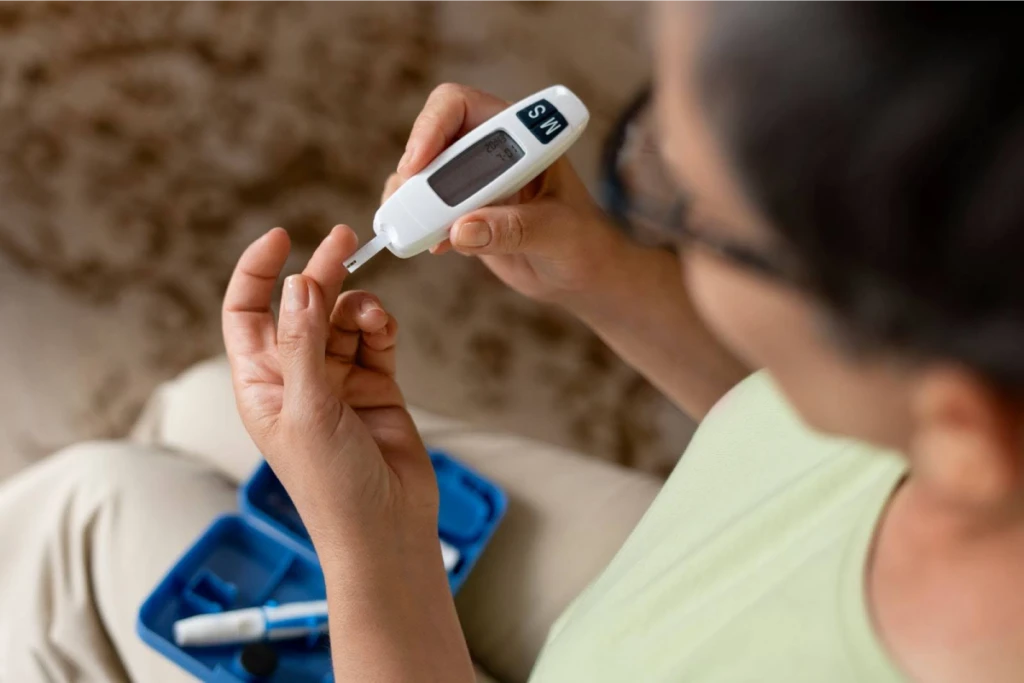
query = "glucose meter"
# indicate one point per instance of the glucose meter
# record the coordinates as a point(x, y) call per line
point(491, 162)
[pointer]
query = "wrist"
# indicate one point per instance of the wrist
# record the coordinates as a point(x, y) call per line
point(398, 576)
point(593, 258)
point(617, 282)
point(375, 546)
point(392, 600)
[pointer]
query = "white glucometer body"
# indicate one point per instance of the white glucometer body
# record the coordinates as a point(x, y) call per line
point(491, 162)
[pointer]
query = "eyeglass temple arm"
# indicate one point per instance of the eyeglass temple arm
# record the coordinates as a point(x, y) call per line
point(613, 190)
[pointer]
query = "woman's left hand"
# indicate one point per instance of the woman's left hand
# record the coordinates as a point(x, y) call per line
point(317, 394)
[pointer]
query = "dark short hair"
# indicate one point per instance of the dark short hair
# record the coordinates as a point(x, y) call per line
point(885, 144)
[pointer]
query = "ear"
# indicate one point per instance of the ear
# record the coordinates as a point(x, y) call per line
point(966, 444)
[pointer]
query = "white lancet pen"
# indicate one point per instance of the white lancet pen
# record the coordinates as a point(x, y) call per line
point(252, 624)
point(490, 163)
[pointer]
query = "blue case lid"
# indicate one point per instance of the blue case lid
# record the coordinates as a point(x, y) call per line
point(265, 555)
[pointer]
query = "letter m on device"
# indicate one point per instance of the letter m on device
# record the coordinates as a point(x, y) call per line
point(550, 127)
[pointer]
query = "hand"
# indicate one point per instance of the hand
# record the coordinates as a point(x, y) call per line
point(549, 242)
point(318, 396)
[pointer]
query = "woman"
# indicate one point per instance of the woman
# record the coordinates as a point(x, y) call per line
point(852, 512)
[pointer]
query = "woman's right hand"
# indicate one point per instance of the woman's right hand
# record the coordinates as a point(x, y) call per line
point(549, 241)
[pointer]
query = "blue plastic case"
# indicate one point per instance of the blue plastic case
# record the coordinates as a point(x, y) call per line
point(264, 555)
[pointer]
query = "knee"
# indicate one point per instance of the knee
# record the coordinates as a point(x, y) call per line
point(99, 464)
point(100, 471)
point(203, 388)
point(213, 375)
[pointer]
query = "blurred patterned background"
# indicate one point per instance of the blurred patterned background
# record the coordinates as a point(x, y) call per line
point(143, 145)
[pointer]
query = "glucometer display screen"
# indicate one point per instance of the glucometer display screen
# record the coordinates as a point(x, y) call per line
point(475, 167)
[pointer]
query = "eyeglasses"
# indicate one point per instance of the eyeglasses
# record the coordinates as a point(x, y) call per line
point(641, 195)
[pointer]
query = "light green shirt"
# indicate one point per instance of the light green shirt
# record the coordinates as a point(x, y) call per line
point(749, 566)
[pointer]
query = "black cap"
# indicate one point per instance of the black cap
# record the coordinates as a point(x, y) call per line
point(258, 660)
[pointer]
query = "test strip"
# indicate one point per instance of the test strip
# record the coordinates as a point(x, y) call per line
point(367, 252)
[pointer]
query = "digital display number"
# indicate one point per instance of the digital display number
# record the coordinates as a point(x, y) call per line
point(476, 166)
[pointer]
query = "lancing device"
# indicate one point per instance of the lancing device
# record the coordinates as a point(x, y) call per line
point(270, 622)
point(493, 161)
point(253, 624)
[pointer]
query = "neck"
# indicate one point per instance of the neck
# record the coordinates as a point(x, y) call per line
point(934, 517)
point(944, 583)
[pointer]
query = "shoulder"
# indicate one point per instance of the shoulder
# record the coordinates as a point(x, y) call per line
point(754, 422)
point(753, 447)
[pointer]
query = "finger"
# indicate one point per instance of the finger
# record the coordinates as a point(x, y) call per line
point(365, 389)
point(301, 340)
point(393, 182)
point(372, 317)
point(359, 317)
point(247, 320)
point(537, 227)
point(354, 312)
point(441, 247)
point(343, 341)
point(326, 266)
point(378, 350)
point(450, 111)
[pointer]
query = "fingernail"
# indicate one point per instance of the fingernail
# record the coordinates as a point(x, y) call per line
point(296, 294)
point(369, 306)
point(473, 234)
point(406, 158)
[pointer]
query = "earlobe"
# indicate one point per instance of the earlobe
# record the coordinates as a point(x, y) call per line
point(966, 445)
point(959, 466)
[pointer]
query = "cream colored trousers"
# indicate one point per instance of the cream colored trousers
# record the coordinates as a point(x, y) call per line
point(87, 533)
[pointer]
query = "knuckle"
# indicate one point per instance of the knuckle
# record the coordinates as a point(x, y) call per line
point(350, 302)
point(513, 237)
point(429, 124)
point(290, 339)
point(448, 90)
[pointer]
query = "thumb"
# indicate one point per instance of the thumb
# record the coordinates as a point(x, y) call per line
point(537, 227)
point(301, 341)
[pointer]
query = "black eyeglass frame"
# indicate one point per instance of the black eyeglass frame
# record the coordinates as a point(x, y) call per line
point(671, 218)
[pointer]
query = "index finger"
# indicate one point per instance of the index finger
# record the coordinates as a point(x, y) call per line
point(450, 112)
